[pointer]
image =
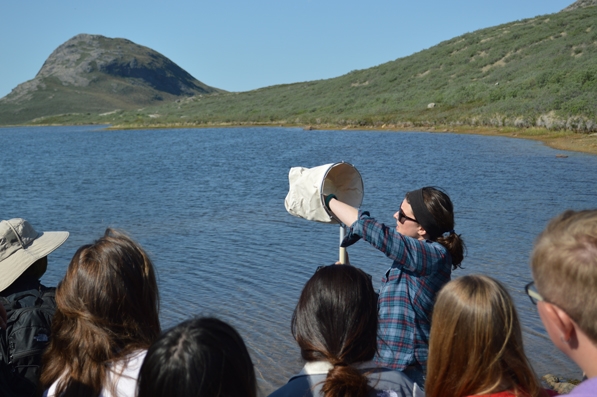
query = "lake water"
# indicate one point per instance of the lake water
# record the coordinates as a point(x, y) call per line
point(208, 205)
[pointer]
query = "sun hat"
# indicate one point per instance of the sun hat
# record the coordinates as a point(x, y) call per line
point(21, 246)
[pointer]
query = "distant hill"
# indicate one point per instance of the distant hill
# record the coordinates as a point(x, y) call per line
point(536, 72)
point(95, 74)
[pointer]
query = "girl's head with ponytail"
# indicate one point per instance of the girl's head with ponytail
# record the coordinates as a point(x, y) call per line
point(434, 211)
point(335, 320)
point(107, 307)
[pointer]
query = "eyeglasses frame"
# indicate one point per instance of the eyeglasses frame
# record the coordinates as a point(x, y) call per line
point(402, 217)
point(534, 296)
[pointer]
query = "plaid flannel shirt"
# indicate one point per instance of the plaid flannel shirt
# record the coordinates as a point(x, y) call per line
point(419, 270)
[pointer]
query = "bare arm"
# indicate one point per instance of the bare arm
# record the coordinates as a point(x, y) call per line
point(346, 213)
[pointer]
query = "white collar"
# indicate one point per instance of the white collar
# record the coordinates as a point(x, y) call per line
point(322, 367)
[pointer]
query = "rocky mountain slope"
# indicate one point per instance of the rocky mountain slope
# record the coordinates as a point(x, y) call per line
point(93, 73)
point(580, 4)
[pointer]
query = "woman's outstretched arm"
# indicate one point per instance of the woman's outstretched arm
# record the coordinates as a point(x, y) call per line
point(346, 213)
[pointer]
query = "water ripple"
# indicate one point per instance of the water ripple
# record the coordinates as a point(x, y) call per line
point(208, 206)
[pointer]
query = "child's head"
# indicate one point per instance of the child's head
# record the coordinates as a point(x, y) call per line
point(199, 357)
point(564, 266)
point(107, 307)
point(110, 285)
point(475, 344)
point(335, 320)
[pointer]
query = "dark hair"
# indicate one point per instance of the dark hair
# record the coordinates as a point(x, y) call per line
point(335, 320)
point(440, 206)
point(107, 308)
point(199, 357)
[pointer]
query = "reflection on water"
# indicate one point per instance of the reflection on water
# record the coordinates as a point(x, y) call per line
point(208, 206)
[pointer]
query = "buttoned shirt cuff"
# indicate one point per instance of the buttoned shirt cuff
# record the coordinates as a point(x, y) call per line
point(353, 232)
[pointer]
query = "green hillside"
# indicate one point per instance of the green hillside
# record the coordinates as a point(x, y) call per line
point(534, 72)
point(93, 74)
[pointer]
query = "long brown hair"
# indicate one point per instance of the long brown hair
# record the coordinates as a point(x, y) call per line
point(107, 307)
point(335, 320)
point(475, 346)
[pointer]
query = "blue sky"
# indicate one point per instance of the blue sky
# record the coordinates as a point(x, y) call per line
point(243, 45)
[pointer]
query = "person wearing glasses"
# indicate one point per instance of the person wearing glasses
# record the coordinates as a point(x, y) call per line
point(335, 326)
point(424, 249)
point(476, 347)
point(564, 267)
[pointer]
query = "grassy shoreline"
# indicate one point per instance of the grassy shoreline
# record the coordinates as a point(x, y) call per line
point(560, 140)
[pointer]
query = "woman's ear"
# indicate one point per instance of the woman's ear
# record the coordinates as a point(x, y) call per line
point(422, 232)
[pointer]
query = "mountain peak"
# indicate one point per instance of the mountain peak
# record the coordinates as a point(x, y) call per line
point(580, 4)
point(78, 62)
point(96, 73)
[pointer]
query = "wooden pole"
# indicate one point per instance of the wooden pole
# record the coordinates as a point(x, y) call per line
point(342, 258)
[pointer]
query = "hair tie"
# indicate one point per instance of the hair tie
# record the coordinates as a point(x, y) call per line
point(449, 233)
point(341, 364)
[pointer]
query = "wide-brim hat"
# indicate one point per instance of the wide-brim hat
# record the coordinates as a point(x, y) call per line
point(21, 246)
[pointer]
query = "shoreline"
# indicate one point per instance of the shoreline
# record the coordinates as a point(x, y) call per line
point(559, 140)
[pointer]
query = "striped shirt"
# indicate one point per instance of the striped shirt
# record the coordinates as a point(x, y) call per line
point(419, 270)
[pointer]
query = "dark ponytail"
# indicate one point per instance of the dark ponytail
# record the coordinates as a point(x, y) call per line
point(335, 320)
point(455, 246)
point(440, 206)
point(345, 381)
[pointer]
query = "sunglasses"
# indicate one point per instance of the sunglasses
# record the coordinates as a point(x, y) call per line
point(402, 217)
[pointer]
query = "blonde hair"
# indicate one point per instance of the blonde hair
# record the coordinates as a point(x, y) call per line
point(475, 345)
point(564, 266)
